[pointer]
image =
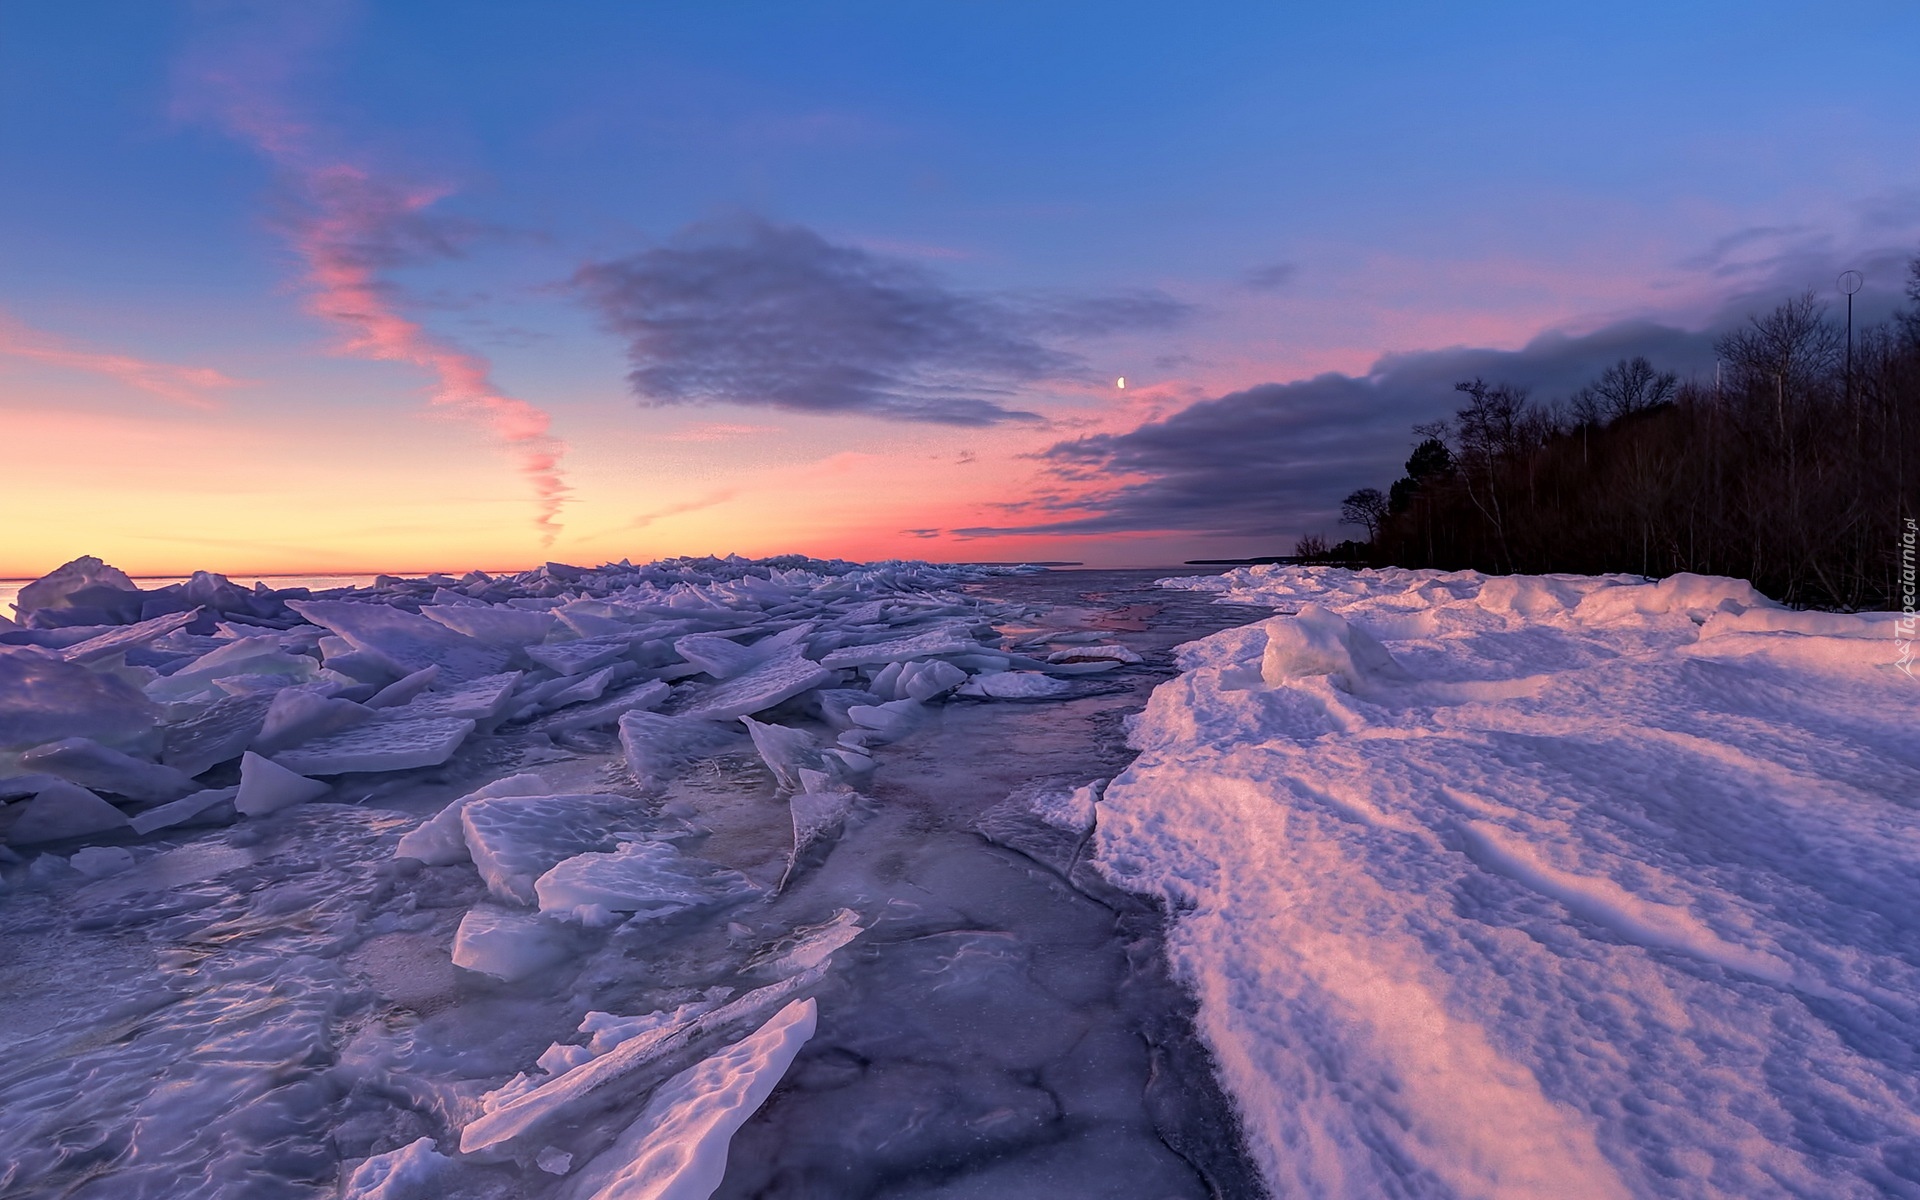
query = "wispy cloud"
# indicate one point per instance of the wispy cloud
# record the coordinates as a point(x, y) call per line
point(1270, 278)
point(351, 227)
point(185, 386)
point(752, 313)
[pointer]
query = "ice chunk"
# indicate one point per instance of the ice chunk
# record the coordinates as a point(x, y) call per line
point(650, 879)
point(590, 687)
point(610, 1080)
point(442, 838)
point(1016, 685)
point(406, 641)
point(889, 721)
point(214, 806)
point(1089, 654)
point(482, 699)
point(86, 590)
point(98, 862)
point(297, 715)
point(403, 691)
point(554, 1161)
point(1317, 641)
point(573, 658)
point(943, 639)
point(607, 712)
point(658, 747)
point(248, 656)
point(717, 656)
point(64, 810)
point(91, 765)
point(119, 641)
point(925, 680)
point(217, 734)
point(514, 840)
point(381, 744)
point(44, 697)
point(410, 1173)
point(834, 703)
point(495, 625)
point(507, 945)
point(819, 814)
point(785, 750)
point(781, 677)
point(677, 1148)
point(266, 786)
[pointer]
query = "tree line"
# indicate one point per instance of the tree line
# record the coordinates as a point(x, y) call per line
point(1796, 468)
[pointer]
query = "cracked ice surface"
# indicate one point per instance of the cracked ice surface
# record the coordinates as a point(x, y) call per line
point(1542, 886)
point(286, 985)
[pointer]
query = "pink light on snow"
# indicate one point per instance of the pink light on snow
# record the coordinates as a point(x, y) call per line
point(180, 385)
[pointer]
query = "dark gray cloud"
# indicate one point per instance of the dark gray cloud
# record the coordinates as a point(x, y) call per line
point(747, 312)
point(1273, 461)
point(1270, 278)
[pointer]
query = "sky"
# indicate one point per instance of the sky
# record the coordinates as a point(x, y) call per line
point(415, 286)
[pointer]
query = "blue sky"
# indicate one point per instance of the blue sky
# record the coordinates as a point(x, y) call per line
point(1302, 189)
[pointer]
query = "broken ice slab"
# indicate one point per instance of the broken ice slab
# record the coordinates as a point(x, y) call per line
point(495, 625)
point(559, 693)
point(607, 712)
point(785, 750)
point(217, 734)
point(658, 747)
point(214, 806)
point(442, 839)
point(407, 641)
point(396, 743)
point(266, 786)
point(514, 840)
point(297, 715)
point(402, 691)
point(63, 810)
point(944, 639)
point(410, 1173)
point(833, 704)
point(925, 680)
point(717, 656)
point(677, 1147)
point(1088, 654)
point(889, 721)
point(127, 637)
point(1016, 685)
point(611, 1080)
point(508, 945)
point(819, 815)
point(573, 658)
point(44, 697)
point(91, 765)
point(780, 678)
point(650, 879)
point(247, 656)
point(478, 700)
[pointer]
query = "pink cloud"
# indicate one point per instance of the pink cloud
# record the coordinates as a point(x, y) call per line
point(354, 225)
point(187, 386)
point(350, 227)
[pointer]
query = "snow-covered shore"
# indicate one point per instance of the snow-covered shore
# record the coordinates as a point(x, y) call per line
point(1523, 887)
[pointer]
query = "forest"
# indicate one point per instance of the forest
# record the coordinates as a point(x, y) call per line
point(1797, 468)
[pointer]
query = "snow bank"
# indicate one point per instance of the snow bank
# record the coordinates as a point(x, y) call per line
point(1504, 887)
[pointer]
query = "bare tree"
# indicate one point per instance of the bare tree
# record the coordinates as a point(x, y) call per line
point(1367, 508)
point(1627, 387)
point(1310, 546)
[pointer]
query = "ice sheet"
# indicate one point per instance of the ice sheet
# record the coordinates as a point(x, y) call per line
point(1536, 886)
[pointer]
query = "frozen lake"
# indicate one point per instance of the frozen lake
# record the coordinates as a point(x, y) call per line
point(251, 1010)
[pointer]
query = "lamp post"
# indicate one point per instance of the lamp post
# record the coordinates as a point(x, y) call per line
point(1849, 283)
